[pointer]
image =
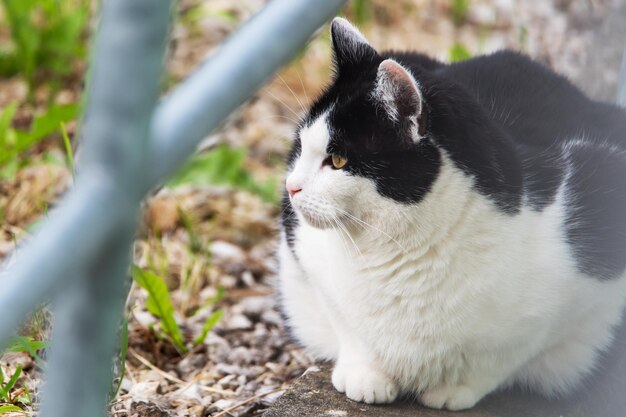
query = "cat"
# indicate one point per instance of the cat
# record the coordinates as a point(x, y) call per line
point(451, 229)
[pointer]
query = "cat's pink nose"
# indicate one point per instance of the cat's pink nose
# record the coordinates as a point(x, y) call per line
point(293, 189)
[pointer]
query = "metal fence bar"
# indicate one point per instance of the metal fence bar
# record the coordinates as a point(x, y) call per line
point(86, 320)
point(127, 68)
point(38, 272)
point(621, 87)
point(184, 118)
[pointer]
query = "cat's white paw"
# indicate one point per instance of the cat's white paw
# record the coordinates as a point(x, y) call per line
point(364, 383)
point(457, 397)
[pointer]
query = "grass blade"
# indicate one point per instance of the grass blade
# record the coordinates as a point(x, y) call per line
point(68, 148)
point(9, 385)
point(208, 325)
point(4, 394)
point(26, 345)
point(7, 408)
point(115, 387)
point(160, 304)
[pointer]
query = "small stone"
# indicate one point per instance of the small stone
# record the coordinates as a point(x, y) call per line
point(190, 392)
point(162, 213)
point(226, 369)
point(223, 404)
point(227, 252)
point(147, 409)
point(247, 278)
point(257, 305)
point(226, 380)
point(189, 363)
point(272, 317)
point(240, 356)
point(142, 391)
point(238, 322)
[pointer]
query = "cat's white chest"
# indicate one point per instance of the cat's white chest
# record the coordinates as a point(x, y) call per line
point(366, 294)
point(326, 260)
point(369, 287)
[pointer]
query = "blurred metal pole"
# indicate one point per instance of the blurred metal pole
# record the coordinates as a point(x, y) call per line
point(190, 113)
point(127, 66)
point(621, 87)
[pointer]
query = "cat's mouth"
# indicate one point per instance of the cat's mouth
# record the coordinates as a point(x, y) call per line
point(315, 216)
point(316, 220)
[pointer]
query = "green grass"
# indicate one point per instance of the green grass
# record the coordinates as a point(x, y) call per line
point(362, 10)
point(15, 142)
point(28, 345)
point(160, 305)
point(68, 148)
point(10, 401)
point(10, 408)
point(459, 9)
point(223, 166)
point(458, 52)
point(119, 365)
point(47, 37)
point(193, 17)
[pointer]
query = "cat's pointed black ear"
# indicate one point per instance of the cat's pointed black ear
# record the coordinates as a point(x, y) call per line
point(399, 95)
point(349, 45)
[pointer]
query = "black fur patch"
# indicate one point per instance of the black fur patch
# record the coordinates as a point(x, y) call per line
point(402, 170)
point(596, 199)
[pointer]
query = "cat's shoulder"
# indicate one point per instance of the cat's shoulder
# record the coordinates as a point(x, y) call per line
point(595, 205)
point(509, 71)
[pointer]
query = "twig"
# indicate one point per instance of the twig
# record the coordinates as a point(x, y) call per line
point(244, 402)
point(171, 378)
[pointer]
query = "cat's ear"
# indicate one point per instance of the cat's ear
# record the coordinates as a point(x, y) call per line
point(349, 45)
point(399, 95)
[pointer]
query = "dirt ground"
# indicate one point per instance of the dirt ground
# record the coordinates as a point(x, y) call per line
point(205, 239)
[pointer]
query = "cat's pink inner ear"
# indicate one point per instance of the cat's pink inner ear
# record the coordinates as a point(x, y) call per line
point(397, 90)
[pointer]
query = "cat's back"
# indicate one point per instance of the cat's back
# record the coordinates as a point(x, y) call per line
point(568, 144)
point(570, 148)
point(536, 106)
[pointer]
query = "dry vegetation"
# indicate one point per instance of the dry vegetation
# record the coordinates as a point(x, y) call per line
point(213, 244)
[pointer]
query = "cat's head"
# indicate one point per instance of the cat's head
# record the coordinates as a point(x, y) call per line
point(366, 138)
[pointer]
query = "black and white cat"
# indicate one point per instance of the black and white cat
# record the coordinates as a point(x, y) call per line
point(452, 229)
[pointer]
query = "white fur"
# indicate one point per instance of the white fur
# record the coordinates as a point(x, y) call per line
point(447, 299)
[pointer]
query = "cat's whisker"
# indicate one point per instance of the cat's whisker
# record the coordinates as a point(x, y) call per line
point(341, 238)
point(292, 93)
point(283, 103)
point(342, 227)
point(364, 223)
point(279, 116)
point(303, 87)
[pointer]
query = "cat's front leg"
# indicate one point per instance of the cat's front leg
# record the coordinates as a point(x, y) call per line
point(451, 397)
point(361, 378)
point(463, 395)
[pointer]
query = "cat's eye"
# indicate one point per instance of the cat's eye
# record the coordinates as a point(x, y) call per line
point(338, 161)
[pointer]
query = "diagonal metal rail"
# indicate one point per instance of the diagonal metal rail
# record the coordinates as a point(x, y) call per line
point(79, 258)
point(621, 87)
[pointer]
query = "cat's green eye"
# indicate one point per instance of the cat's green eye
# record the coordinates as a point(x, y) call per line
point(338, 161)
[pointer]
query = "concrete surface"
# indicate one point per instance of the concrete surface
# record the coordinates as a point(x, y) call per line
point(604, 395)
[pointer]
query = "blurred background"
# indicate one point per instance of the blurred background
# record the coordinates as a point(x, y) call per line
point(202, 332)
